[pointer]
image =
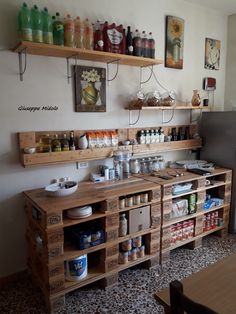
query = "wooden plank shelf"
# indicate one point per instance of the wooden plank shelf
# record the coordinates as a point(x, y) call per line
point(167, 146)
point(83, 54)
point(197, 214)
point(175, 107)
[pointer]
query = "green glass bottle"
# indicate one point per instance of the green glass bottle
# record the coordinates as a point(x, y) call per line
point(58, 30)
point(56, 144)
point(47, 27)
point(37, 24)
point(64, 143)
point(24, 23)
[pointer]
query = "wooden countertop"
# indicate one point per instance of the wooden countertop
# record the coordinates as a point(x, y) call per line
point(214, 286)
point(88, 193)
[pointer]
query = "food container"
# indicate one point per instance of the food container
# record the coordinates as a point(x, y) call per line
point(76, 268)
point(61, 188)
point(153, 99)
point(126, 245)
point(137, 242)
point(123, 257)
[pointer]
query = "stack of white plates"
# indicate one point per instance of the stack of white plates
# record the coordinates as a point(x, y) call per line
point(79, 212)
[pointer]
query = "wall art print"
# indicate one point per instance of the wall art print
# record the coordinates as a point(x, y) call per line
point(90, 89)
point(174, 46)
point(212, 54)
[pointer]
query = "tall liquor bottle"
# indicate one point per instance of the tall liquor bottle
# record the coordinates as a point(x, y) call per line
point(56, 144)
point(64, 143)
point(72, 141)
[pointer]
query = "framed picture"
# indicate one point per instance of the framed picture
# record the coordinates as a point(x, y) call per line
point(174, 42)
point(90, 89)
point(212, 54)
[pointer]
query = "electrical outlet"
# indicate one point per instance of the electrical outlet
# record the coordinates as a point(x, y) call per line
point(83, 165)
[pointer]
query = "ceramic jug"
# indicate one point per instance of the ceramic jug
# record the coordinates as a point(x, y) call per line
point(83, 142)
point(196, 100)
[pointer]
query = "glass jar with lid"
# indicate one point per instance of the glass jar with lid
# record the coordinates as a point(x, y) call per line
point(152, 99)
point(134, 166)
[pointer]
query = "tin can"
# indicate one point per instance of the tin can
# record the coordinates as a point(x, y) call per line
point(122, 203)
point(126, 245)
point(129, 201)
point(137, 199)
point(137, 242)
point(144, 198)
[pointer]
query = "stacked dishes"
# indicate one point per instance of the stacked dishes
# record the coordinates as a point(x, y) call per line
point(79, 212)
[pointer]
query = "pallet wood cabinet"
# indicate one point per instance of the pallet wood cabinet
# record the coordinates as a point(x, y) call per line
point(48, 245)
point(220, 186)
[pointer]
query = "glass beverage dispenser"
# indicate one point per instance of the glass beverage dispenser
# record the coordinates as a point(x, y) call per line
point(121, 164)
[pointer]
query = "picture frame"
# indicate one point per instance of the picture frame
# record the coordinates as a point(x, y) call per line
point(212, 54)
point(90, 89)
point(174, 44)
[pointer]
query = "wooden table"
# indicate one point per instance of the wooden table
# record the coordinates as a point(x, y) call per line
point(214, 286)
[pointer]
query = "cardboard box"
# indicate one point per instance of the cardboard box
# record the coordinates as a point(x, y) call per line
point(139, 219)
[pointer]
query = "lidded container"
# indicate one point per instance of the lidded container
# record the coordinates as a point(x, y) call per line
point(121, 164)
point(134, 166)
point(153, 99)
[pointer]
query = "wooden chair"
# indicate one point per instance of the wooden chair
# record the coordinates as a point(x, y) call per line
point(181, 304)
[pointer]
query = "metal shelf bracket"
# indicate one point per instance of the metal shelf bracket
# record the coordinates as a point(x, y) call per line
point(22, 68)
point(150, 75)
point(117, 70)
point(197, 119)
point(71, 73)
point(130, 117)
point(170, 119)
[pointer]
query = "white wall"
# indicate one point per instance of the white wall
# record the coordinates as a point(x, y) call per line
point(45, 84)
point(230, 79)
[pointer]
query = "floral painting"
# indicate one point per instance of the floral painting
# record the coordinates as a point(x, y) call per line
point(90, 89)
point(212, 54)
point(174, 42)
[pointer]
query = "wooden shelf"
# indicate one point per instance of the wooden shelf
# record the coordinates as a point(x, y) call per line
point(175, 107)
point(181, 243)
point(197, 214)
point(167, 146)
point(83, 54)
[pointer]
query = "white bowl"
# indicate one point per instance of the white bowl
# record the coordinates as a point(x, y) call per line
point(29, 150)
point(59, 189)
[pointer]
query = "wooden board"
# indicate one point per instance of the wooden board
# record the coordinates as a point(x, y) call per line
point(213, 286)
point(83, 54)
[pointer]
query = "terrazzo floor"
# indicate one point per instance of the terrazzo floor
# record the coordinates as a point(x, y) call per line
point(134, 292)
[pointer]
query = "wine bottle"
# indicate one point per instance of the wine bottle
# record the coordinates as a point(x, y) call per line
point(72, 141)
point(129, 42)
point(56, 144)
point(64, 143)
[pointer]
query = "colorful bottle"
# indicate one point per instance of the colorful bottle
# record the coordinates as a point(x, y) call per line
point(151, 44)
point(58, 30)
point(98, 37)
point(79, 33)
point(69, 31)
point(24, 23)
point(37, 24)
point(88, 35)
point(129, 42)
point(47, 27)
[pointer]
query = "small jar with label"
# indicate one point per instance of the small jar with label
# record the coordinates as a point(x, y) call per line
point(137, 242)
point(133, 254)
point(142, 251)
point(123, 257)
point(137, 199)
point(121, 203)
point(126, 245)
point(134, 166)
point(144, 198)
point(129, 201)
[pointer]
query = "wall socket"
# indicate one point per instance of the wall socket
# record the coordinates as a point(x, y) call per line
point(83, 165)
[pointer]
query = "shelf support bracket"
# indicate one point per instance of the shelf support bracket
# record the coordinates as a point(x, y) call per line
point(170, 119)
point(117, 70)
point(148, 79)
point(71, 73)
point(22, 68)
point(197, 119)
point(130, 117)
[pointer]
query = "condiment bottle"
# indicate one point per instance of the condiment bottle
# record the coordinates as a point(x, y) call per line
point(88, 35)
point(123, 226)
point(47, 27)
point(137, 44)
point(145, 45)
point(129, 42)
point(151, 46)
point(37, 24)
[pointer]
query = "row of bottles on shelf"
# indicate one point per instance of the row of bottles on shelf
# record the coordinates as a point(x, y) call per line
point(48, 144)
point(40, 26)
point(157, 135)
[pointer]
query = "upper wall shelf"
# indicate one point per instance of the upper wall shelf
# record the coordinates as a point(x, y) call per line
point(83, 54)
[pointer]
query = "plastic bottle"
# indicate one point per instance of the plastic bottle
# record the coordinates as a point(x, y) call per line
point(145, 46)
point(69, 30)
point(24, 23)
point(137, 44)
point(37, 24)
point(88, 35)
point(151, 46)
point(98, 37)
point(58, 30)
point(47, 27)
point(79, 33)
